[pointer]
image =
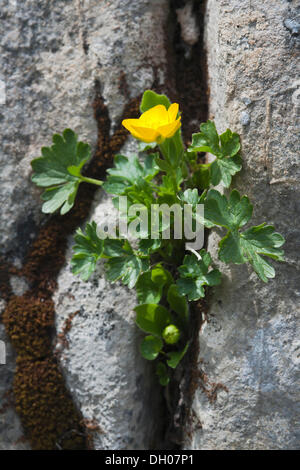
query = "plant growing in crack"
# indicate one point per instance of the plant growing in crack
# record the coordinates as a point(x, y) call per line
point(166, 179)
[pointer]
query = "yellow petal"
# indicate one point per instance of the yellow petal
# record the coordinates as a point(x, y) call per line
point(145, 133)
point(173, 111)
point(127, 123)
point(155, 117)
point(169, 129)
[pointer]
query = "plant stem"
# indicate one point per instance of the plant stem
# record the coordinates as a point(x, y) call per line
point(91, 180)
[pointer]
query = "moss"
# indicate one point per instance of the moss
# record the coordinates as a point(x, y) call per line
point(45, 407)
point(28, 322)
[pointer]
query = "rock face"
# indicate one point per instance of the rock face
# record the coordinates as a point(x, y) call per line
point(51, 57)
point(251, 343)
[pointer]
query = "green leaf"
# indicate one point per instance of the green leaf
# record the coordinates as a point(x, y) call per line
point(162, 372)
point(230, 143)
point(250, 245)
point(122, 261)
point(201, 176)
point(161, 276)
point(151, 99)
point(115, 247)
point(242, 247)
point(207, 140)
point(149, 246)
point(194, 276)
point(176, 356)
point(131, 178)
point(163, 165)
point(144, 146)
point(115, 185)
point(147, 291)
point(151, 347)
point(265, 239)
point(128, 169)
point(59, 170)
point(222, 169)
point(230, 250)
point(177, 301)
point(232, 213)
point(152, 318)
point(150, 168)
point(225, 147)
point(88, 249)
point(190, 196)
point(169, 187)
point(127, 268)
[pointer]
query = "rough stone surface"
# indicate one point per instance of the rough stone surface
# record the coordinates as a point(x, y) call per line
point(50, 59)
point(188, 24)
point(51, 56)
point(251, 343)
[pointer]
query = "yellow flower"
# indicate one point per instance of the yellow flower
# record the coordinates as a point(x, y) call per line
point(155, 125)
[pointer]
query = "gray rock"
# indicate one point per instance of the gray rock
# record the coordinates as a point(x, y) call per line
point(188, 24)
point(293, 26)
point(245, 118)
point(251, 343)
point(247, 101)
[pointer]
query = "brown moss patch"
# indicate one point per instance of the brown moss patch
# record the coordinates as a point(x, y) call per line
point(43, 403)
point(28, 323)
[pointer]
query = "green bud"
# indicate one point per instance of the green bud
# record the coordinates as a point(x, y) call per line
point(171, 334)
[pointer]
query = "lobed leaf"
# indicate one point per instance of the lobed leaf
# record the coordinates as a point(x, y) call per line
point(242, 247)
point(88, 249)
point(225, 147)
point(194, 275)
point(232, 213)
point(248, 246)
point(127, 267)
point(59, 170)
point(147, 290)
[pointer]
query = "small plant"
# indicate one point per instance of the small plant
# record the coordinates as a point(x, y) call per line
point(167, 271)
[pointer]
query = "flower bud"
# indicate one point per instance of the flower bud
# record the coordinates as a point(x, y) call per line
point(171, 334)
